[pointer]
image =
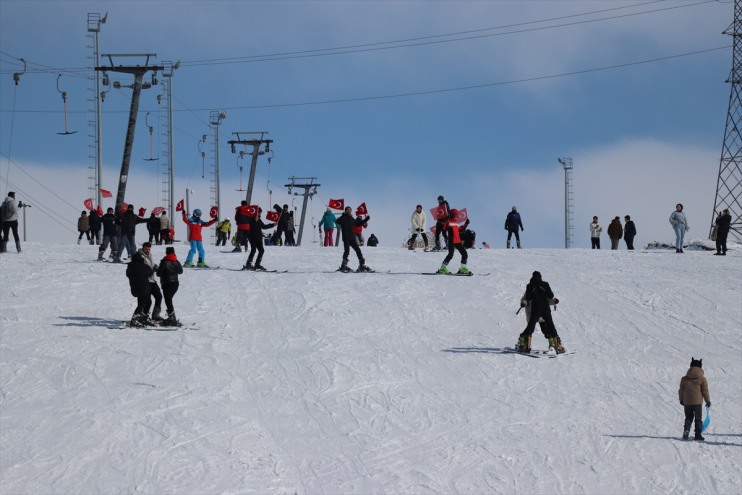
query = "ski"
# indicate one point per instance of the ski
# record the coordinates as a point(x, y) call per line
point(161, 328)
point(537, 353)
point(456, 274)
point(203, 267)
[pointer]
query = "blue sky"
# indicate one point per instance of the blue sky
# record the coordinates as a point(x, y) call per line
point(474, 100)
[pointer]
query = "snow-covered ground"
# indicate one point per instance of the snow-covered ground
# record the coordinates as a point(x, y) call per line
point(321, 383)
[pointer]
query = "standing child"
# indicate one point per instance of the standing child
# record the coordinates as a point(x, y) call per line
point(195, 225)
point(138, 274)
point(694, 389)
point(453, 240)
point(595, 230)
point(168, 272)
point(345, 227)
point(538, 294)
point(83, 226)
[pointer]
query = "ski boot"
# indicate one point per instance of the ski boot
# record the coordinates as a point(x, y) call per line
point(517, 244)
point(508, 245)
point(443, 270)
point(156, 316)
point(248, 266)
point(463, 270)
point(139, 320)
point(237, 250)
point(556, 344)
point(363, 268)
point(344, 267)
point(188, 264)
point(100, 256)
point(202, 264)
point(699, 437)
point(686, 434)
point(171, 321)
point(259, 268)
point(524, 344)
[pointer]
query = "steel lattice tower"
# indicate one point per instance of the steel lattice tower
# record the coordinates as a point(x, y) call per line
point(729, 183)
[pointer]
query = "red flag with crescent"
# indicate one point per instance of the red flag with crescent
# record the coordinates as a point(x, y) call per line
point(251, 210)
point(88, 203)
point(336, 204)
point(439, 212)
point(180, 205)
point(105, 193)
point(99, 211)
point(213, 211)
point(142, 211)
point(158, 209)
point(362, 210)
point(273, 216)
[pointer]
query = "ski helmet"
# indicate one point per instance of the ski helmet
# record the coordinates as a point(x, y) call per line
point(196, 212)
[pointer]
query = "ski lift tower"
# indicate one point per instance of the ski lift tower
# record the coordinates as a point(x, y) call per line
point(729, 181)
point(138, 71)
point(569, 202)
point(255, 143)
point(307, 194)
point(96, 146)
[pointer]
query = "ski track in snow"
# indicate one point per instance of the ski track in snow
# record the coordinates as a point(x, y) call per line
point(309, 382)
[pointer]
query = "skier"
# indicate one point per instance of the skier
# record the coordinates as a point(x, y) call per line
point(723, 223)
point(538, 293)
point(345, 226)
point(256, 241)
point(223, 232)
point(439, 223)
point(694, 389)
point(453, 240)
point(138, 274)
point(629, 232)
point(146, 253)
point(615, 232)
point(195, 225)
point(110, 234)
point(549, 331)
point(418, 220)
point(680, 225)
point(512, 223)
point(168, 272)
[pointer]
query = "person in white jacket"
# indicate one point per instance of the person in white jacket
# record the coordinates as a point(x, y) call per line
point(595, 230)
point(680, 226)
point(419, 221)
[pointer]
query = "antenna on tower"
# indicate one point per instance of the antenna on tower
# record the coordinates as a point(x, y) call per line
point(729, 181)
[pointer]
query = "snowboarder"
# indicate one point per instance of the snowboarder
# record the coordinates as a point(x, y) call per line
point(538, 294)
point(512, 223)
point(723, 223)
point(256, 241)
point(195, 225)
point(440, 222)
point(549, 331)
point(453, 241)
point(138, 274)
point(629, 232)
point(595, 230)
point(680, 225)
point(345, 225)
point(694, 389)
point(168, 271)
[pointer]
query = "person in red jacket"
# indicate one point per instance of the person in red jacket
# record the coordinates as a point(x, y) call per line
point(453, 239)
point(195, 224)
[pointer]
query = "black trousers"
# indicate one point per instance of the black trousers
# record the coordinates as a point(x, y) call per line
point(256, 245)
point(691, 412)
point(595, 241)
point(8, 226)
point(461, 249)
point(537, 313)
point(156, 294)
point(411, 242)
point(346, 252)
point(629, 242)
point(510, 235)
point(168, 291)
point(144, 303)
point(721, 242)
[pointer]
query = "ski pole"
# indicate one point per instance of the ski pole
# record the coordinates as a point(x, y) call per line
point(516, 313)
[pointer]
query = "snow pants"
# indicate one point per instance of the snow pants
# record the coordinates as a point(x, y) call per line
point(461, 249)
point(328, 238)
point(346, 251)
point(691, 412)
point(196, 246)
point(537, 313)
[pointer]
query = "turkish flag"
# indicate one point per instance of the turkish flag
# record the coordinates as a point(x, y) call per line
point(362, 210)
point(179, 206)
point(142, 211)
point(273, 216)
point(337, 204)
point(99, 211)
point(105, 194)
point(462, 217)
point(251, 211)
point(88, 203)
point(213, 211)
point(158, 209)
point(439, 212)
point(124, 207)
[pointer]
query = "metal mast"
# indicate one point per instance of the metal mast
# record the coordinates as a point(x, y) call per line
point(255, 143)
point(94, 22)
point(307, 194)
point(569, 202)
point(215, 119)
point(729, 182)
point(168, 151)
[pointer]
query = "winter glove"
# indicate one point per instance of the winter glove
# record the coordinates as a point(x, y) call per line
point(681, 403)
point(556, 301)
point(522, 229)
point(522, 304)
point(708, 404)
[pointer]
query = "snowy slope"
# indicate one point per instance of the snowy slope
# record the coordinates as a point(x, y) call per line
point(320, 383)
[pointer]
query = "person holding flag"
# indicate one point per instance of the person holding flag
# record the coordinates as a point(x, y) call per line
point(442, 214)
point(195, 225)
point(360, 223)
point(345, 225)
point(453, 240)
point(256, 238)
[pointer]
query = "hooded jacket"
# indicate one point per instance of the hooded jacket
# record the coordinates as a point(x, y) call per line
point(169, 269)
point(138, 274)
point(615, 231)
point(694, 388)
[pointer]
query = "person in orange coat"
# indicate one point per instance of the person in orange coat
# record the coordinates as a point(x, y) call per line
point(453, 240)
point(195, 225)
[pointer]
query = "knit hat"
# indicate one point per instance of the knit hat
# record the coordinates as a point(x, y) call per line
point(696, 363)
point(169, 250)
point(537, 275)
point(11, 194)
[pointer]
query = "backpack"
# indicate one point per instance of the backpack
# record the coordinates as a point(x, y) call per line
point(4, 211)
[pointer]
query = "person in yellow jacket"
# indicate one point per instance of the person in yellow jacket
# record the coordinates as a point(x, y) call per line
point(694, 389)
point(223, 232)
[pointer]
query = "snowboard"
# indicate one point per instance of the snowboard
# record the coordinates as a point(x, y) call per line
point(538, 353)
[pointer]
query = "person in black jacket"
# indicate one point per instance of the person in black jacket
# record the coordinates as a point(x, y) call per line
point(94, 222)
point(512, 223)
point(629, 232)
point(723, 224)
point(110, 234)
point(345, 224)
point(538, 294)
point(168, 271)
point(153, 227)
point(439, 229)
point(256, 241)
point(138, 274)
